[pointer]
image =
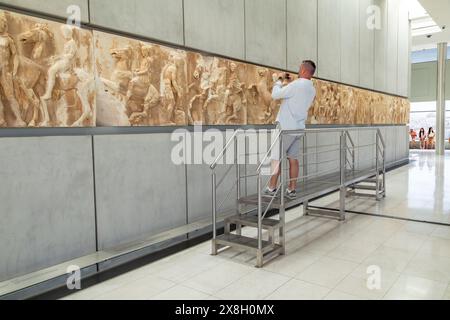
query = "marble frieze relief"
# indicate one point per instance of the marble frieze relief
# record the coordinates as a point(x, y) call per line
point(47, 76)
point(55, 75)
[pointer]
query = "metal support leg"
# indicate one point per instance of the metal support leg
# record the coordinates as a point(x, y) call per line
point(259, 252)
point(377, 176)
point(305, 207)
point(214, 215)
point(282, 211)
point(342, 196)
point(343, 169)
point(238, 184)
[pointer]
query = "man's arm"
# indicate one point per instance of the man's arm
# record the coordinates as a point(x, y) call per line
point(280, 92)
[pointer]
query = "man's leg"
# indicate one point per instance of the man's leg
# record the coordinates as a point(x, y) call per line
point(275, 174)
point(293, 173)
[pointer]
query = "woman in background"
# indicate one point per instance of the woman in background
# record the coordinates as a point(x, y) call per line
point(422, 138)
point(431, 136)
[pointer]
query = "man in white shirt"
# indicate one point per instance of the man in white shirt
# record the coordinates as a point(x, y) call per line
point(298, 96)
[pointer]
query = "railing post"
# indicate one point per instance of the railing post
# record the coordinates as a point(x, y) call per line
point(259, 253)
point(377, 161)
point(282, 200)
point(214, 214)
point(238, 182)
point(343, 165)
point(384, 171)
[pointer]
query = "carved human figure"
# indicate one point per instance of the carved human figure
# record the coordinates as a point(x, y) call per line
point(141, 90)
point(36, 43)
point(265, 94)
point(171, 92)
point(235, 94)
point(62, 63)
point(9, 63)
point(216, 102)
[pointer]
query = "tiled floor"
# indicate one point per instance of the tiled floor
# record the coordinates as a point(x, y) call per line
point(418, 191)
point(365, 257)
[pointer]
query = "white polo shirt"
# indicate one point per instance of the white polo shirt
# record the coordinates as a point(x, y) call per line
point(298, 97)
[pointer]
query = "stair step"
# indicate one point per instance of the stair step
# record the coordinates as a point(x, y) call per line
point(233, 240)
point(365, 187)
point(252, 221)
point(373, 180)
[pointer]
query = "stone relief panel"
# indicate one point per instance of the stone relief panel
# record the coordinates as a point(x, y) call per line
point(139, 84)
point(217, 92)
point(46, 73)
point(340, 104)
point(55, 75)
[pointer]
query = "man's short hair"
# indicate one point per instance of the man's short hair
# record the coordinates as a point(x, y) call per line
point(310, 65)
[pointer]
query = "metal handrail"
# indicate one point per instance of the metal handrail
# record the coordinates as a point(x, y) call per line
point(222, 153)
point(258, 170)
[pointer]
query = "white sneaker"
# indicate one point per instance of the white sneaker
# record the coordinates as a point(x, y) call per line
point(270, 192)
point(291, 194)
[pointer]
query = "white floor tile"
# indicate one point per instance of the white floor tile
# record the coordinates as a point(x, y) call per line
point(293, 263)
point(255, 286)
point(447, 293)
point(338, 295)
point(436, 246)
point(353, 251)
point(218, 277)
point(406, 241)
point(411, 288)
point(388, 258)
point(419, 228)
point(429, 266)
point(180, 292)
point(142, 289)
point(441, 232)
point(299, 290)
point(367, 283)
point(327, 272)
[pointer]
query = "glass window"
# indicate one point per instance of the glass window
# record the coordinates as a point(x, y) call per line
point(423, 115)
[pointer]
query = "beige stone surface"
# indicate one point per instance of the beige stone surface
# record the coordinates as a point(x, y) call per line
point(54, 75)
point(47, 74)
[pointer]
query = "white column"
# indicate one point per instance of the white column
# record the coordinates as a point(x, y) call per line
point(440, 106)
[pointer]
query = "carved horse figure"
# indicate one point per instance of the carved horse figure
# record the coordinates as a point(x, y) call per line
point(35, 45)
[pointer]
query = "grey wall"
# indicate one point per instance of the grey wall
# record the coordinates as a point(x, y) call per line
point(162, 20)
point(349, 38)
point(381, 38)
point(424, 81)
point(46, 202)
point(216, 26)
point(301, 32)
point(265, 36)
point(392, 46)
point(329, 39)
point(276, 33)
point(53, 7)
point(366, 48)
point(139, 190)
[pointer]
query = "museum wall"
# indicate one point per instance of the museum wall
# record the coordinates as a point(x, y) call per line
point(112, 188)
point(424, 81)
point(57, 75)
point(292, 30)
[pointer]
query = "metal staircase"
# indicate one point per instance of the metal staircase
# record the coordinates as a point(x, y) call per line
point(251, 209)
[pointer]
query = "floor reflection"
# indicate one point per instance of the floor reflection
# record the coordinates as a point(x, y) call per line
point(420, 190)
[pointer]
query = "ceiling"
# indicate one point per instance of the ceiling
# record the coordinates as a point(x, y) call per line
point(437, 11)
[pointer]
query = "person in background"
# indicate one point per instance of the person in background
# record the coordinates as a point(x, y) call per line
point(430, 138)
point(422, 137)
point(413, 136)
